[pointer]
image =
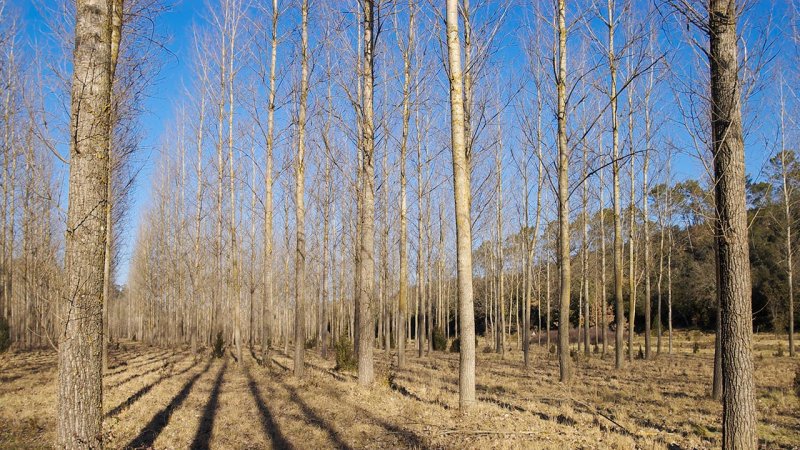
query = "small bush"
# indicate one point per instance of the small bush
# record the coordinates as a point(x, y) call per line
point(218, 349)
point(696, 348)
point(311, 343)
point(641, 352)
point(345, 356)
point(553, 349)
point(797, 381)
point(488, 349)
point(5, 335)
point(455, 346)
point(779, 352)
point(439, 341)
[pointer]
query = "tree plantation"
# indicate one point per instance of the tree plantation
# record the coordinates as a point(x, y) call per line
point(399, 224)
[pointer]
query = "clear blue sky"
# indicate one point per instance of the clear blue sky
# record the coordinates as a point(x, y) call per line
point(176, 25)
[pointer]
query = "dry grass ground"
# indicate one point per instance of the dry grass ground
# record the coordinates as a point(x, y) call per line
point(164, 398)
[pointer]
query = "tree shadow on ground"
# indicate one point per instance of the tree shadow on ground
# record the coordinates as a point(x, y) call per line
point(313, 417)
point(145, 389)
point(165, 364)
point(203, 435)
point(411, 439)
point(129, 365)
point(271, 428)
point(150, 432)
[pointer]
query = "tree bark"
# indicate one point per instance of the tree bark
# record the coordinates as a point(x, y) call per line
point(563, 198)
point(461, 191)
point(80, 388)
point(269, 239)
point(300, 210)
point(403, 292)
point(116, 33)
point(619, 318)
point(366, 333)
point(738, 403)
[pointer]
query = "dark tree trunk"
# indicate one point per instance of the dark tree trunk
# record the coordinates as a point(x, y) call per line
point(738, 392)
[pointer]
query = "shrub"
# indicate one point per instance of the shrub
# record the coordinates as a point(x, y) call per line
point(641, 352)
point(439, 341)
point(455, 346)
point(797, 381)
point(311, 343)
point(218, 349)
point(696, 348)
point(488, 349)
point(779, 352)
point(5, 335)
point(345, 356)
point(553, 349)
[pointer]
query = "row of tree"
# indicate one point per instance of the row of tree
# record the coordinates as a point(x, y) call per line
point(253, 129)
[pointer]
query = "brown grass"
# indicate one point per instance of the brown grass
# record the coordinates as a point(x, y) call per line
point(167, 398)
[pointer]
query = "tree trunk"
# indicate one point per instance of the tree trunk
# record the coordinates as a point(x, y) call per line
point(300, 209)
point(403, 291)
point(116, 32)
point(461, 191)
point(619, 317)
point(80, 351)
point(269, 239)
point(739, 403)
point(366, 333)
point(563, 197)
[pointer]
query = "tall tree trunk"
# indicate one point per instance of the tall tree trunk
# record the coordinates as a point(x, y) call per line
point(563, 196)
point(787, 203)
point(619, 318)
point(269, 239)
point(300, 209)
point(235, 279)
point(631, 231)
point(116, 33)
point(585, 251)
point(198, 218)
point(403, 292)
point(366, 333)
point(501, 322)
point(461, 191)
point(603, 298)
point(738, 403)
point(80, 351)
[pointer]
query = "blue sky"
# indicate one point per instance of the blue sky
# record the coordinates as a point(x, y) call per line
point(176, 25)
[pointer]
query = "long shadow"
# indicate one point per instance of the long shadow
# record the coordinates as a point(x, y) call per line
point(271, 428)
point(157, 424)
point(402, 390)
point(203, 435)
point(124, 366)
point(411, 439)
point(145, 389)
point(312, 416)
point(162, 366)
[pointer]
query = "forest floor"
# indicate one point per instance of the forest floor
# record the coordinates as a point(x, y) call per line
point(167, 398)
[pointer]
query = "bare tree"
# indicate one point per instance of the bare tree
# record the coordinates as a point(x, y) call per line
point(366, 334)
point(407, 54)
point(299, 200)
point(738, 398)
point(80, 388)
point(267, 307)
point(563, 193)
point(461, 190)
